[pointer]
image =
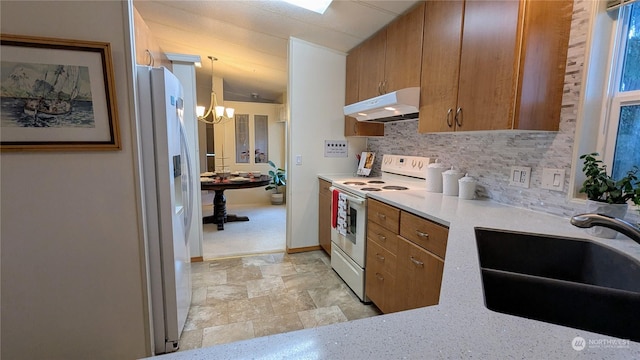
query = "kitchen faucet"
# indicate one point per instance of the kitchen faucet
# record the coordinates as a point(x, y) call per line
point(589, 220)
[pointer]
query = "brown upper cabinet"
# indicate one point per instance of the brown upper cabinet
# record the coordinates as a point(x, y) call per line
point(388, 61)
point(148, 52)
point(391, 59)
point(493, 65)
point(353, 127)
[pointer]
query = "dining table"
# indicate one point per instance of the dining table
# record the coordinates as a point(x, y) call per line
point(219, 185)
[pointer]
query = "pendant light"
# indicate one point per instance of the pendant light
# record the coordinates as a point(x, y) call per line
point(217, 112)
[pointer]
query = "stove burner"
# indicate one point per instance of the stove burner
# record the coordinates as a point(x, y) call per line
point(395, 187)
point(375, 182)
point(370, 189)
point(354, 183)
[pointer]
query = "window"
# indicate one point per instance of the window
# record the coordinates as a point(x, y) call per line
point(258, 153)
point(242, 139)
point(620, 137)
point(261, 124)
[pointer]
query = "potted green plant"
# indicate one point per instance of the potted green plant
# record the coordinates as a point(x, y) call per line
point(606, 195)
point(278, 178)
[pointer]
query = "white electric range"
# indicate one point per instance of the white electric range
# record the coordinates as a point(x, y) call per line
point(348, 248)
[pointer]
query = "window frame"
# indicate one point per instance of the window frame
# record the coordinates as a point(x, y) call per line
point(616, 99)
point(599, 95)
point(609, 135)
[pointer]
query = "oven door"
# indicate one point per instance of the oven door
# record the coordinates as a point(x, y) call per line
point(353, 242)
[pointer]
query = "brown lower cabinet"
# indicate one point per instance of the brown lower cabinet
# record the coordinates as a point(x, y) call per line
point(405, 259)
point(380, 280)
point(324, 215)
point(419, 275)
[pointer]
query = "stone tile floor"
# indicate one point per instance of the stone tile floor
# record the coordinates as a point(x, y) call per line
point(245, 297)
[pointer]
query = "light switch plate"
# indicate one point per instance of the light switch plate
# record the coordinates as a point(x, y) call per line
point(336, 148)
point(520, 176)
point(553, 179)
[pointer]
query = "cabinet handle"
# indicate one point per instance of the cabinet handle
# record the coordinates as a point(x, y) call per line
point(421, 234)
point(152, 61)
point(417, 262)
point(459, 116)
point(380, 257)
point(384, 87)
point(382, 216)
point(449, 123)
point(382, 237)
point(380, 277)
point(380, 88)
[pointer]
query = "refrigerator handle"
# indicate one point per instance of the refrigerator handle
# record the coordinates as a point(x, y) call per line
point(190, 194)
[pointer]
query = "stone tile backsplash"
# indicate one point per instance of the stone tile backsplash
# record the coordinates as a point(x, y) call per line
point(488, 156)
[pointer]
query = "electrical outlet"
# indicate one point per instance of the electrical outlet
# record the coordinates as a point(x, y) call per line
point(520, 176)
point(553, 179)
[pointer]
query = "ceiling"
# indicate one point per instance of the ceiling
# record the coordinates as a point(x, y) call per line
point(250, 38)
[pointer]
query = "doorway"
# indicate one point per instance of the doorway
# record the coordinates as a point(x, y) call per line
point(245, 144)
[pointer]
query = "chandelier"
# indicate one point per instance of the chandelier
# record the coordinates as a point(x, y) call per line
point(218, 112)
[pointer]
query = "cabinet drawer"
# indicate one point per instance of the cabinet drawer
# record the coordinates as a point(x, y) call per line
point(385, 215)
point(380, 277)
point(380, 288)
point(385, 237)
point(425, 233)
point(379, 259)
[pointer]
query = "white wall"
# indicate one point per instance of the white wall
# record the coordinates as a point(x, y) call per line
point(72, 264)
point(316, 98)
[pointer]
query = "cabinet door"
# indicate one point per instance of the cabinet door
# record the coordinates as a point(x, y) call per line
point(148, 52)
point(324, 216)
point(353, 127)
point(352, 74)
point(418, 276)
point(403, 58)
point(440, 65)
point(543, 62)
point(371, 64)
point(488, 65)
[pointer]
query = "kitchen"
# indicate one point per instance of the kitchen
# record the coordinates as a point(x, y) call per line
point(97, 167)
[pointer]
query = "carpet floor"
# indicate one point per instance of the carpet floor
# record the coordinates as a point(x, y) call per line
point(265, 232)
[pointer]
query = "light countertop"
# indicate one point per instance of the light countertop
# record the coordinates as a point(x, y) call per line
point(460, 326)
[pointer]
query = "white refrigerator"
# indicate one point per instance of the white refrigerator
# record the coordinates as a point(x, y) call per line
point(167, 194)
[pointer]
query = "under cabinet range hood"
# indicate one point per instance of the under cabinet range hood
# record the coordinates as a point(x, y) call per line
point(395, 106)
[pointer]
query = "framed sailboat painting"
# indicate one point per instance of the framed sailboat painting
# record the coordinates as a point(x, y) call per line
point(57, 95)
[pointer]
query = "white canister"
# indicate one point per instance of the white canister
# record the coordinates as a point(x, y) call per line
point(450, 181)
point(434, 176)
point(467, 187)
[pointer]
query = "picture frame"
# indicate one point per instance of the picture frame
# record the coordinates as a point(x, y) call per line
point(57, 95)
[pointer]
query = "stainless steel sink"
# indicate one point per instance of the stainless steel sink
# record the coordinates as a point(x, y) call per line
point(564, 281)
